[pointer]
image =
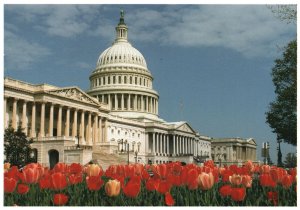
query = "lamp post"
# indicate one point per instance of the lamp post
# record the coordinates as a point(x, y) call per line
point(126, 145)
point(136, 153)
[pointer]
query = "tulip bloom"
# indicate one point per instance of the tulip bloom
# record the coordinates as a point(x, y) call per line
point(238, 194)
point(45, 183)
point(206, 181)
point(266, 180)
point(6, 166)
point(31, 175)
point(60, 199)
point(75, 178)
point(225, 190)
point(61, 167)
point(164, 186)
point(94, 170)
point(22, 189)
point(287, 181)
point(152, 184)
point(59, 181)
point(169, 199)
point(9, 184)
point(235, 179)
point(75, 168)
point(273, 196)
point(265, 169)
point(132, 189)
point(247, 181)
point(94, 182)
point(277, 174)
point(112, 188)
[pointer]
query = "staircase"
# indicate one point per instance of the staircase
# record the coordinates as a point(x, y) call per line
point(105, 159)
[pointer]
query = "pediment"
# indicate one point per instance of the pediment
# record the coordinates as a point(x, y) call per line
point(74, 93)
point(251, 141)
point(185, 127)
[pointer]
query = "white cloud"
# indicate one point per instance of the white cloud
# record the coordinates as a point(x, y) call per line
point(21, 54)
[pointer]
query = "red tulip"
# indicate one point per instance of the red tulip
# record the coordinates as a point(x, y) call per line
point(112, 188)
point(164, 186)
point(23, 189)
point(60, 199)
point(152, 184)
point(238, 194)
point(277, 174)
point(287, 181)
point(209, 163)
point(45, 183)
point(169, 199)
point(205, 181)
point(61, 167)
point(31, 175)
point(94, 182)
point(75, 178)
point(225, 190)
point(131, 189)
point(9, 185)
point(192, 179)
point(266, 180)
point(59, 181)
point(75, 168)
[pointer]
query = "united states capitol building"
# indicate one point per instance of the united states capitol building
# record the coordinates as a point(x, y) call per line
point(115, 121)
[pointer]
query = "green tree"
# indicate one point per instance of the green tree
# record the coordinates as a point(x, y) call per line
point(282, 114)
point(290, 160)
point(17, 147)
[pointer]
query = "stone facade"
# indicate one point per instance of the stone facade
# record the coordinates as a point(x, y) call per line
point(118, 116)
point(233, 150)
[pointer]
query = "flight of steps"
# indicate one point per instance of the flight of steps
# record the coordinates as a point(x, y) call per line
point(105, 159)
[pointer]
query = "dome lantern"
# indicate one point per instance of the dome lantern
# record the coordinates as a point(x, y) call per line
point(121, 29)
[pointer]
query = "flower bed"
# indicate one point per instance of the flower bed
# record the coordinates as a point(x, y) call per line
point(169, 184)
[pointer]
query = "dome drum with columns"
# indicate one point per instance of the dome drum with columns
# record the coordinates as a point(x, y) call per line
point(122, 80)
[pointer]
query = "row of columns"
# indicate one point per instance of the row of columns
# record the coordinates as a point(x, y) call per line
point(120, 79)
point(90, 131)
point(128, 102)
point(180, 144)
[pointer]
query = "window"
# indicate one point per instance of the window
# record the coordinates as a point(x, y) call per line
point(119, 80)
point(125, 79)
point(135, 80)
point(103, 80)
point(130, 80)
point(114, 79)
point(112, 131)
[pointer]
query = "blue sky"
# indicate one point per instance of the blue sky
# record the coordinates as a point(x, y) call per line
point(211, 63)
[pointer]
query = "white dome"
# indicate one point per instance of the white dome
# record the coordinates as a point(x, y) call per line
point(123, 53)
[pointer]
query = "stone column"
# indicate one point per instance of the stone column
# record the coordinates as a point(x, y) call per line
point(174, 151)
point(59, 120)
point(147, 105)
point(122, 101)
point(128, 102)
point(168, 145)
point(142, 103)
point(67, 127)
point(161, 143)
point(99, 129)
point(116, 102)
point(33, 121)
point(156, 106)
point(135, 102)
point(95, 129)
point(50, 128)
point(146, 143)
point(109, 101)
point(81, 133)
point(42, 125)
point(74, 125)
point(5, 104)
point(88, 132)
point(24, 113)
point(105, 130)
point(153, 144)
point(14, 114)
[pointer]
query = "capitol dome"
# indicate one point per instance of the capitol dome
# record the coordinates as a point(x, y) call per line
point(122, 80)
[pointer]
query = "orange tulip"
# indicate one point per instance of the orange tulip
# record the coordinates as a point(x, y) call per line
point(31, 175)
point(235, 179)
point(94, 170)
point(206, 181)
point(277, 174)
point(247, 181)
point(250, 166)
point(265, 169)
point(287, 181)
point(6, 166)
point(112, 188)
